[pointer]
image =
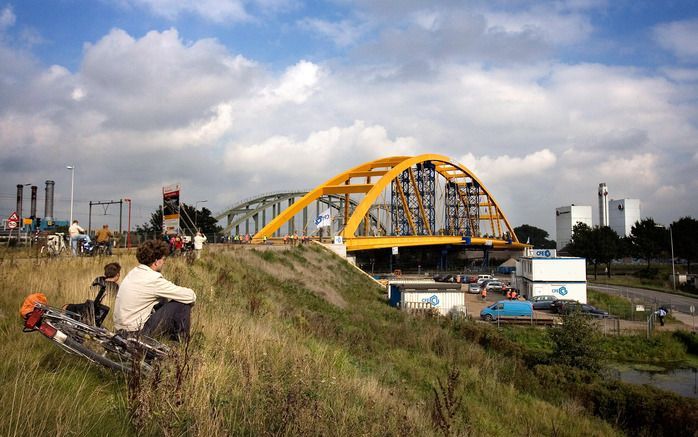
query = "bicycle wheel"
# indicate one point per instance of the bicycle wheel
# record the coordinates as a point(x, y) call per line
point(99, 357)
point(95, 344)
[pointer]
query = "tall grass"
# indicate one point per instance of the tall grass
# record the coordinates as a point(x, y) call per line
point(292, 343)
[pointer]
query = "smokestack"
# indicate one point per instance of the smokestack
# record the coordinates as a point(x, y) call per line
point(33, 205)
point(603, 204)
point(48, 205)
point(20, 194)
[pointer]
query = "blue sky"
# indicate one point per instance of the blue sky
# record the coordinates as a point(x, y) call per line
point(543, 100)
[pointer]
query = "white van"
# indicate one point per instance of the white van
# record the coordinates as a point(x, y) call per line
point(481, 278)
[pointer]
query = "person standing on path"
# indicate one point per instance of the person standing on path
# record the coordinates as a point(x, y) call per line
point(199, 240)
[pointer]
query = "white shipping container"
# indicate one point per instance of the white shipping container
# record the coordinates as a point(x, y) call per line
point(575, 291)
point(554, 269)
point(441, 300)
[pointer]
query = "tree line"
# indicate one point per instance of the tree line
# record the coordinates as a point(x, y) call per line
point(647, 240)
point(191, 220)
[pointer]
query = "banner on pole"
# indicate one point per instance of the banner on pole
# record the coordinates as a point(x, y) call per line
point(170, 209)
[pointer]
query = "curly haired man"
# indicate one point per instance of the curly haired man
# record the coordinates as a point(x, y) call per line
point(149, 304)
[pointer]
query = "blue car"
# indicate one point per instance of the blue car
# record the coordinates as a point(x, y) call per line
point(507, 308)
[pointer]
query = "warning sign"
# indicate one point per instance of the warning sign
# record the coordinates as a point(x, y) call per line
point(13, 220)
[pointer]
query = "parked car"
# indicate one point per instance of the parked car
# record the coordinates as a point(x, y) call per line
point(481, 278)
point(474, 288)
point(584, 308)
point(557, 306)
point(494, 286)
point(543, 302)
point(443, 278)
point(507, 308)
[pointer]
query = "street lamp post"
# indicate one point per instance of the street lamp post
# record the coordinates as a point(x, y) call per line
point(196, 213)
point(673, 268)
point(72, 189)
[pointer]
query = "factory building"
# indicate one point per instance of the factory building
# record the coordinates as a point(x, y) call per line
point(623, 214)
point(566, 218)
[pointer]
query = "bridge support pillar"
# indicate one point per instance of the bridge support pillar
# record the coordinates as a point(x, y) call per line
point(273, 212)
point(292, 222)
point(256, 222)
point(305, 219)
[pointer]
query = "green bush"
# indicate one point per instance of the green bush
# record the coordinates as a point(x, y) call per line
point(662, 348)
point(650, 273)
point(576, 343)
point(689, 339)
point(641, 410)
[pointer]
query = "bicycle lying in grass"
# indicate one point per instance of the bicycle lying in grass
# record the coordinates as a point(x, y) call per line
point(95, 343)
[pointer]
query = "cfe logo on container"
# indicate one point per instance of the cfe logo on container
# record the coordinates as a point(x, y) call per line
point(433, 300)
point(562, 291)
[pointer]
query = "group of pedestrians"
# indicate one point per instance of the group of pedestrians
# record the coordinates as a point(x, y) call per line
point(241, 239)
point(179, 244)
point(294, 239)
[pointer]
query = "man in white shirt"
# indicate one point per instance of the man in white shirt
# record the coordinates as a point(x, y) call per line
point(199, 240)
point(77, 233)
point(150, 304)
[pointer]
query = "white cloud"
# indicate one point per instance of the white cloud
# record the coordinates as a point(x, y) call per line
point(342, 33)
point(297, 83)
point(427, 19)
point(158, 81)
point(679, 37)
point(213, 10)
point(7, 18)
point(554, 28)
point(320, 155)
point(641, 169)
point(492, 169)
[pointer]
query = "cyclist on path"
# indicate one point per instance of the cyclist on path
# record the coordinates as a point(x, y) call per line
point(77, 233)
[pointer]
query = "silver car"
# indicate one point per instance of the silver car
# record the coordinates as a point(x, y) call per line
point(473, 288)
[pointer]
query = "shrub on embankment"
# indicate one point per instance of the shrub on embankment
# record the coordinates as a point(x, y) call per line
point(286, 342)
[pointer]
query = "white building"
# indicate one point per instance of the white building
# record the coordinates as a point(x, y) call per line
point(623, 214)
point(563, 277)
point(566, 218)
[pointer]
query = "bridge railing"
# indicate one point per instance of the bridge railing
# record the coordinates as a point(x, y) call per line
point(262, 196)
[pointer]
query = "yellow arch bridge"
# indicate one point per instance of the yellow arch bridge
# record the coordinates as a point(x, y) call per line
point(427, 200)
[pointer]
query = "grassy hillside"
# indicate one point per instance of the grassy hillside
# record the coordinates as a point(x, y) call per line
point(287, 341)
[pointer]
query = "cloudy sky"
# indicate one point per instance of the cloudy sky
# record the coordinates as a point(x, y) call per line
point(231, 98)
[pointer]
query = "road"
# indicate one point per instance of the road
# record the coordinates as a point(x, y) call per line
point(676, 301)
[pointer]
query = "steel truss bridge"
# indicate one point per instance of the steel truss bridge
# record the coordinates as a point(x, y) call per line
point(246, 216)
point(396, 201)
